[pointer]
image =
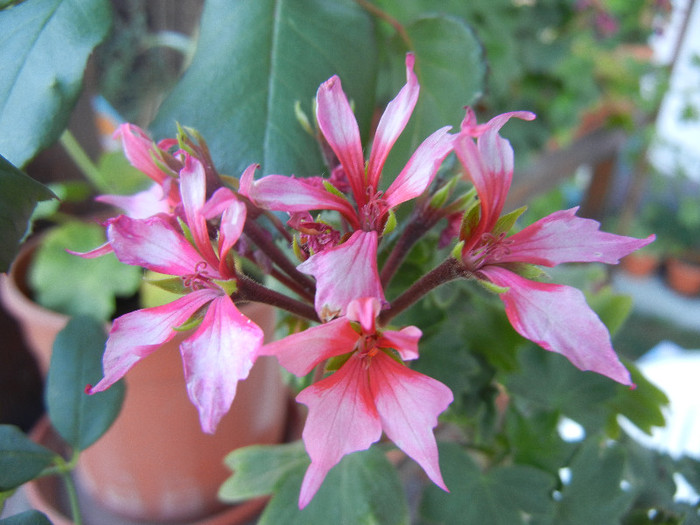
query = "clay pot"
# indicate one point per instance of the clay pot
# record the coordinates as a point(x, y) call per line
point(683, 275)
point(48, 495)
point(39, 325)
point(155, 463)
point(640, 264)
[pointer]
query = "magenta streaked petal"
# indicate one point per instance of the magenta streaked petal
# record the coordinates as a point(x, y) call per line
point(339, 126)
point(137, 334)
point(280, 193)
point(490, 188)
point(342, 419)
point(218, 202)
point(557, 318)
point(408, 404)
point(154, 244)
point(193, 187)
point(299, 353)
point(230, 229)
point(470, 126)
point(93, 254)
point(220, 353)
point(343, 273)
point(392, 123)
point(364, 311)
point(405, 341)
point(139, 205)
point(139, 150)
point(563, 237)
point(420, 170)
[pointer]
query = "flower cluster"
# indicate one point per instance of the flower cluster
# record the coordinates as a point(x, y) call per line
point(194, 227)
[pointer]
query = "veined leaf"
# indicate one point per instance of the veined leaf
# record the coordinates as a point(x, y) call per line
point(45, 45)
point(259, 60)
point(20, 458)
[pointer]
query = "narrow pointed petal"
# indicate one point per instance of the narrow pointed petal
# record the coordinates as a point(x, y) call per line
point(154, 244)
point(139, 205)
point(405, 341)
point(218, 202)
point(339, 126)
point(392, 123)
point(409, 404)
point(230, 229)
point(280, 193)
point(343, 273)
point(491, 187)
point(193, 187)
point(420, 170)
point(342, 419)
point(558, 319)
point(364, 311)
point(470, 126)
point(137, 334)
point(220, 353)
point(93, 254)
point(563, 237)
point(138, 149)
point(299, 353)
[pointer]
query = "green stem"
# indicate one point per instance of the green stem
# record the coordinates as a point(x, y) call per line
point(72, 498)
point(82, 160)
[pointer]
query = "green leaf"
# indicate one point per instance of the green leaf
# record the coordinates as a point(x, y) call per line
point(258, 469)
point(612, 308)
point(535, 439)
point(642, 406)
point(21, 459)
point(45, 45)
point(451, 72)
point(19, 195)
point(79, 418)
point(29, 517)
point(72, 285)
point(259, 59)
point(500, 496)
point(363, 488)
point(593, 494)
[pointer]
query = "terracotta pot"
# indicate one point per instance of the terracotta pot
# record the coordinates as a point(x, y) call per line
point(155, 462)
point(39, 325)
point(683, 275)
point(48, 495)
point(641, 264)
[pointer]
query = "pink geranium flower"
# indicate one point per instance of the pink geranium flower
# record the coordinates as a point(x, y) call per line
point(554, 316)
point(371, 392)
point(222, 349)
point(339, 128)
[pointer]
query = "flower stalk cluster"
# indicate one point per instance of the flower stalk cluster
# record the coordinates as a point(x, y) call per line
point(203, 230)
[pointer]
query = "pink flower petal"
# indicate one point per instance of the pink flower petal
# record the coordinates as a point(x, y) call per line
point(218, 355)
point(280, 193)
point(138, 149)
point(139, 205)
point(342, 419)
point(364, 311)
point(193, 187)
point(137, 334)
point(558, 319)
point(409, 404)
point(299, 353)
point(470, 126)
point(218, 202)
point(93, 254)
point(154, 244)
point(339, 126)
point(563, 237)
point(343, 273)
point(405, 341)
point(230, 229)
point(420, 170)
point(392, 123)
